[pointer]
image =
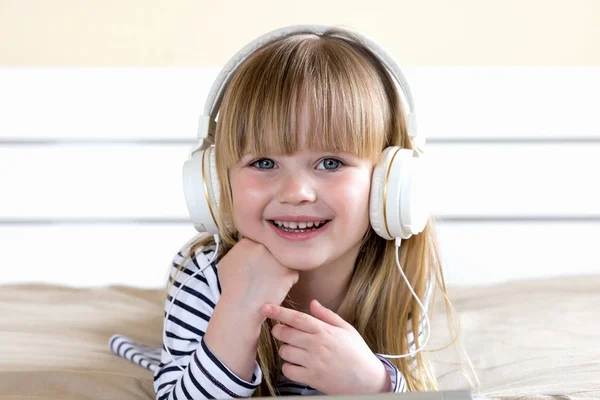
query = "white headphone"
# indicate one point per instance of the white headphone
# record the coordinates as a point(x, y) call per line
point(398, 206)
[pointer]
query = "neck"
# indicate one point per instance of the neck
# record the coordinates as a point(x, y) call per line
point(328, 283)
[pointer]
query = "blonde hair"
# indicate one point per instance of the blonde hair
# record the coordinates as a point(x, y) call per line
point(354, 106)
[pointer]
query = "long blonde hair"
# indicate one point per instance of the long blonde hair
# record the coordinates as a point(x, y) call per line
point(355, 107)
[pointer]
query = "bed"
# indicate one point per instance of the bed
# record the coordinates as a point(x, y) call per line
point(526, 339)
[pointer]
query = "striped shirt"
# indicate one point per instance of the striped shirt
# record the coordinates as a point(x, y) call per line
point(203, 374)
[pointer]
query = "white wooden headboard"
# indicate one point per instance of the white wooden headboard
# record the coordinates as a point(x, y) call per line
point(90, 170)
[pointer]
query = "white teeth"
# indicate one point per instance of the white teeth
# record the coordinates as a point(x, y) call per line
point(299, 225)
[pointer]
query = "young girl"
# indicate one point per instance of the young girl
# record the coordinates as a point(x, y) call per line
point(301, 295)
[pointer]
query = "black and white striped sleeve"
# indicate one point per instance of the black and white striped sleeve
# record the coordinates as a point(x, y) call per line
point(398, 382)
point(194, 371)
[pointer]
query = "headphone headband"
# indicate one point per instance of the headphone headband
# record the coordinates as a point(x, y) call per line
point(207, 123)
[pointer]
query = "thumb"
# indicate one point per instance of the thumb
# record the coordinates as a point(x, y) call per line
point(326, 315)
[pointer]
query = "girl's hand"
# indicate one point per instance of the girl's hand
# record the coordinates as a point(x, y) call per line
point(325, 352)
point(250, 276)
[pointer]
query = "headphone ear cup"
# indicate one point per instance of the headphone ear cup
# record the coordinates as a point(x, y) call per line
point(214, 189)
point(398, 206)
point(377, 188)
point(202, 191)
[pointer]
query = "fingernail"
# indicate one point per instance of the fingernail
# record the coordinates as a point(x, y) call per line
point(267, 309)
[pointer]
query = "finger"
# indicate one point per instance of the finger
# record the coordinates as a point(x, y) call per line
point(294, 355)
point(296, 319)
point(326, 315)
point(291, 336)
point(295, 373)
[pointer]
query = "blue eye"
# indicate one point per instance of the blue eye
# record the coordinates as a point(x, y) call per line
point(330, 163)
point(264, 163)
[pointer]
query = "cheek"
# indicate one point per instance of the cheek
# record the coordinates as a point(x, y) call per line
point(250, 196)
point(354, 198)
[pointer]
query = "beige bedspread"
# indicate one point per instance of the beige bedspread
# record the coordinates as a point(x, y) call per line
point(524, 338)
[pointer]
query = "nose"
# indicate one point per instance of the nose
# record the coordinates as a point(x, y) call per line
point(296, 188)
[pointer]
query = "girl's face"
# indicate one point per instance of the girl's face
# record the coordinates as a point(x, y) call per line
point(279, 200)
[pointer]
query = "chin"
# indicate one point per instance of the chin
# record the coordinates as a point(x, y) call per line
point(299, 261)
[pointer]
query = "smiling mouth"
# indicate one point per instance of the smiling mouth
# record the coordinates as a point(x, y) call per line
point(299, 227)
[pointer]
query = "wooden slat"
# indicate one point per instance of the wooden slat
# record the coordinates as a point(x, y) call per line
point(516, 179)
point(481, 254)
point(473, 254)
point(150, 103)
point(91, 255)
point(103, 102)
point(121, 181)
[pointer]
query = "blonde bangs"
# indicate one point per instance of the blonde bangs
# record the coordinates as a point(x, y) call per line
point(331, 80)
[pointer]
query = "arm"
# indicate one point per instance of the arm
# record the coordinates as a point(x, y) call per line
point(218, 364)
point(229, 325)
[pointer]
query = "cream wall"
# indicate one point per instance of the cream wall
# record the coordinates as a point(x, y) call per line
point(196, 33)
